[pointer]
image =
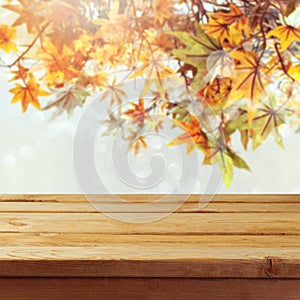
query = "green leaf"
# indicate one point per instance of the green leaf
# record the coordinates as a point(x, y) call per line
point(244, 138)
point(226, 164)
point(238, 162)
point(239, 123)
point(198, 48)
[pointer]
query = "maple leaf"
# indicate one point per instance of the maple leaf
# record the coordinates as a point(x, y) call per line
point(114, 123)
point(67, 100)
point(217, 29)
point(114, 92)
point(96, 81)
point(180, 111)
point(286, 34)
point(267, 122)
point(115, 26)
point(249, 80)
point(294, 71)
point(194, 137)
point(28, 14)
point(7, 35)
point(136, 144)
point(230, 25)
point(83, 43)
point(59, 12)
point(67, 63)
point(21, 73)
point(138, 114)
point(108, 54)
point(216, 92)
point(153, 65)
point(162, 10)
point(28, 94)
point(220, 153)
point(198, 48)
point(235, 14)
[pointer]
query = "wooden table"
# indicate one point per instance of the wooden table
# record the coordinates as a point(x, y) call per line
point(237, 247)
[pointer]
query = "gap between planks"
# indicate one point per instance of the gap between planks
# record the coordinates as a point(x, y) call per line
point(225, 198)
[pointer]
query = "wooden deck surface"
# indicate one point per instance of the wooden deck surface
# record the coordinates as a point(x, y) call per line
point(246, 237)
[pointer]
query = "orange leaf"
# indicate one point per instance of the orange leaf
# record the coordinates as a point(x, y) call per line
point(7, 34)
point(286, 34)
point(28, 94)
point(193, 136)
point(138, 112)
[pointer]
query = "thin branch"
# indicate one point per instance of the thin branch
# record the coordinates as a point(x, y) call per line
point(29, 47)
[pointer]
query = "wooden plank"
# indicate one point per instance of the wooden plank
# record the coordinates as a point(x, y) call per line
point(96, 239)
point(176, 223)
point(155, 262)
point(148, 289)
point(63, 207)
point(107, 252)
point(219, 198)
point(234, 236)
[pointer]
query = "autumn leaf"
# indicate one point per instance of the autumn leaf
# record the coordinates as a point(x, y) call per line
point(153, 65)
point(113, 123)
point(198, 48)
point(137, 144)
point(20, 73)
point(114, 26)
point(108, 54)
point(162, 10)
point(231, 25)
point(249, 80)
point(216, 92)
point(193, 137)
point(228, 55)
point(28, 14)
point(7, 35)
point(67, 100)
point(286, 34)
point(217, 29)
point(267, 122)
point(220, 153)
point(294, 71)
point(66, 63)
point(114, 92)
point(235, 14)
point(59, 11)
point(138, 113)
point(28, 94)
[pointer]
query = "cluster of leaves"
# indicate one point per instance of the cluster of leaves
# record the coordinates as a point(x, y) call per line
point(239, 61)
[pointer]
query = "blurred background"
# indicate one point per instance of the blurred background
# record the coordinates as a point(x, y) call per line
point(36, 156)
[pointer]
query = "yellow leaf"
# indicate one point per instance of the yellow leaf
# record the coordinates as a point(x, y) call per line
point(153, 66)
point(286, 34)
point(294, 71)
point(7, 35)
point(162, 10)
point(231, 25)
point(28, 94)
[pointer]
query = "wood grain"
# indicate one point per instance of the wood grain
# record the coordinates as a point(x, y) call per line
point(174, 224)
point(148, 289)
point(234, 236)
point(191, 207)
